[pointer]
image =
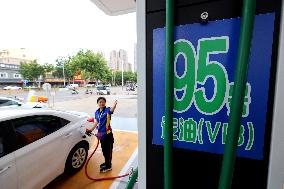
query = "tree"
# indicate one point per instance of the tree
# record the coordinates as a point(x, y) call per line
point(31, 71)
point(58, 70)
point(70, 68)
point(48, 68)
point(108, 77)
point(92, 65)
point(130, 76)
point(117, 76)
point(127, 76)
point(135, 77)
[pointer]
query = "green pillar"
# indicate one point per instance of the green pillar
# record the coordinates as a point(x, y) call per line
point(238, 94)
point(169, 68)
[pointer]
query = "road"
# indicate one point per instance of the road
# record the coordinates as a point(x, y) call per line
point(124, 117)
point(60, 95)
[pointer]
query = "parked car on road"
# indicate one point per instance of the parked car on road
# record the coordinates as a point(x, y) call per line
point(9, 102)
point(90, 85)
point(14, 103)
point(12, 88)
point(37, 145)
point(103, 90)
point(72, 86)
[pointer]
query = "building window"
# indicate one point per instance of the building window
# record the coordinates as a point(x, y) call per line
point(17, 75)
point(3, 75)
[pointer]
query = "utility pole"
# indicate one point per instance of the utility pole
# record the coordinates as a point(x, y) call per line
point(113, 78)
point(63, 74)
point(122, 75)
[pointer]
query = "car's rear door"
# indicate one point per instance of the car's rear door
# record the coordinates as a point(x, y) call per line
point(41, 150)
point(8, 173)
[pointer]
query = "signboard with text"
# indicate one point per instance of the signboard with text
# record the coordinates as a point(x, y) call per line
point(205, 58)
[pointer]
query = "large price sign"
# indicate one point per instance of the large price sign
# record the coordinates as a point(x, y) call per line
point(205, 59)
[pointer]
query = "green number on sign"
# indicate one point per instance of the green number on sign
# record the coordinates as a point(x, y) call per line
point(213, 69)
point(186, 82)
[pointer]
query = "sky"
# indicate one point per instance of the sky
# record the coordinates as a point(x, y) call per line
point(54, 28)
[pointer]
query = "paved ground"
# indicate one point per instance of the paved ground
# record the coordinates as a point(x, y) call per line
point(124, 146)
point(126, 107)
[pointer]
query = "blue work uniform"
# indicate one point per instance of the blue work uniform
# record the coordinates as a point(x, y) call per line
point(103, 118)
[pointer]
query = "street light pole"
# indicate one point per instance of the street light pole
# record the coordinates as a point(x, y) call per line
point(122, 75)
point(112, 77)
point(63, 74)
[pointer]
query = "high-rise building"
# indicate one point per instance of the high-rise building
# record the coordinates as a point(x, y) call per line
point(113, 61)
point(119, 61)
point(123, 60)
point(128, 67)
point(135, 57)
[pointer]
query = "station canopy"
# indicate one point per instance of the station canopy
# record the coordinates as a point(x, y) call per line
point(116, 7)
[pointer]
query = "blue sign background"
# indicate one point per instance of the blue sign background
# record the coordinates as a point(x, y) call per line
point(258, 77)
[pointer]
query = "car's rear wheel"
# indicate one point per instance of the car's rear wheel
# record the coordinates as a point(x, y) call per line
point(76, 159)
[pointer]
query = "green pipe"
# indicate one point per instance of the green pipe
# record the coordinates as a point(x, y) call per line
point(169, 70)
point(228, 164)
point(132, 180)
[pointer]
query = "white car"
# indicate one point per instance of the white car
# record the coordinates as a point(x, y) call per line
point(103, 90)
point(12, 88)
point(9, 102)
point(13, 103)
point(90, 85)
point(72, 86)
point(37, 145)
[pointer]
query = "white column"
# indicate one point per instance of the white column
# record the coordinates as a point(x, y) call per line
point(276, 160)
point(141, 74)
